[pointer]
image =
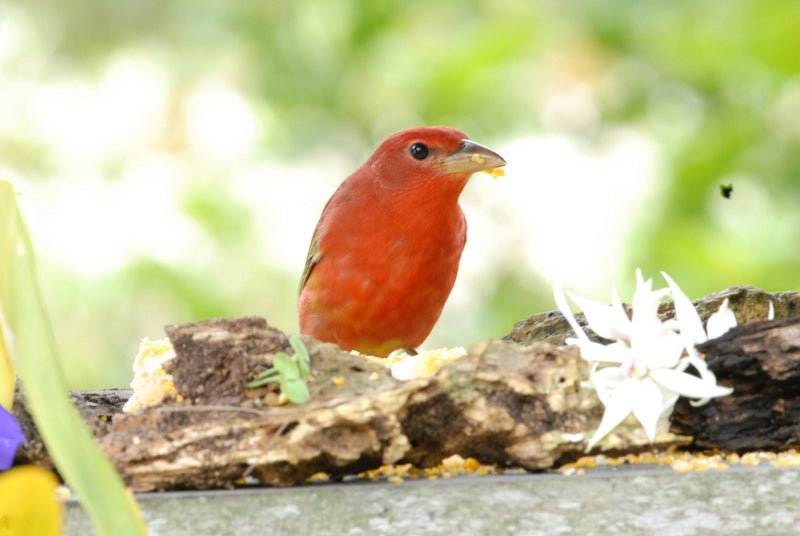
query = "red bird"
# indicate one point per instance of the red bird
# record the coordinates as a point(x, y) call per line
point(384, 256)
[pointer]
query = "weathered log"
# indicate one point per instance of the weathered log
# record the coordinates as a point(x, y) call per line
point(521, 404)
point(97, 408)
point(748, 303)
point(761, 361)
point(503, 403)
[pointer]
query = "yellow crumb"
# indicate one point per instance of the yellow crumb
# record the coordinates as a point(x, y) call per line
point(450, 467)
point(754, 458)
point(424, 364)
point(687, 461)
point(339, 380)
point(319, 477)
point(478, 159)
point(495, 172)
point(790, 458)
point(151, 383)
point(63, 493)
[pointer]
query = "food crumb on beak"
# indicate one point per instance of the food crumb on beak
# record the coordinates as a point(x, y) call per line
point(478, 158)
point(495, 172)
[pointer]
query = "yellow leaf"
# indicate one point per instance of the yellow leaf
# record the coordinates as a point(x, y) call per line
point(28, 503)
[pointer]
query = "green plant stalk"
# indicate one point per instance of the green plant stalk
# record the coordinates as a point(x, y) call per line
point(79, 460)
point(261, 382)
point(7, 375)
point(301, 356)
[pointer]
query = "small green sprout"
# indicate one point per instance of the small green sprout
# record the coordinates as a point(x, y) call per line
point(289, 372)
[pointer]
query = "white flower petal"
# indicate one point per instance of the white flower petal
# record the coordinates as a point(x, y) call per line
point(771, 313)
point(688, 385)
point(641, 301)
point(648, 406)
point(650, 374)
point(606, 381)
point(620, 327)
point(691, 326)
point(618, 407)
point(668, 405)
point(563, 306)
point(606, 353)
point(605, 320)
point(705, 374)
point(645, 321)
point(720, 322)
point(639, 279)
point(700, 366)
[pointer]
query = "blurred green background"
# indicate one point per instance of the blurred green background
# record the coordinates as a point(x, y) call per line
point(172, 158)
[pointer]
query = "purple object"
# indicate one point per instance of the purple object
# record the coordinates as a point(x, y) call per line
point(11, 437)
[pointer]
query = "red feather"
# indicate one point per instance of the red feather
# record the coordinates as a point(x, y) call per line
point(385, 253)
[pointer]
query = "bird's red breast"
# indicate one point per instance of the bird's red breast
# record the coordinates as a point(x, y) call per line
point(385, 253)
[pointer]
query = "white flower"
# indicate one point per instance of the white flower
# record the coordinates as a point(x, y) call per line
point(643, 371)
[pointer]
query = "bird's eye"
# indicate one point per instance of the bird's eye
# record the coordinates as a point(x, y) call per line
point(419, 151)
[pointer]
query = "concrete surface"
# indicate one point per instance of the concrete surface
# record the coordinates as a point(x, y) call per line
point(638, 500)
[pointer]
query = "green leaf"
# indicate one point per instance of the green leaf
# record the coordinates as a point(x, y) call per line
point(295, 390)
point(286, 366)
point(8, 378)
point(301, 356)
point(86, 470)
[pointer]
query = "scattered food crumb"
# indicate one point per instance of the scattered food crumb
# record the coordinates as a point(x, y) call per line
point(683, 462)
point(495, 172)
point(319, 477)
point(63, 493)
point(422, 365)
point(151, 383)
point(452, 466)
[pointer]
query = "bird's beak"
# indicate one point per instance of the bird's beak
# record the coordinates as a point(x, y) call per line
point(471, 157)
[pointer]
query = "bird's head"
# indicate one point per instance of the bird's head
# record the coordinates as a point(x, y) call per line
point(420, 155)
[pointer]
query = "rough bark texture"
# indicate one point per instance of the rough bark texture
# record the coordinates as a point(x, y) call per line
point(97, 408)
point(517, 402)
point(761, 361)
point(749, 304)
point(503, 403)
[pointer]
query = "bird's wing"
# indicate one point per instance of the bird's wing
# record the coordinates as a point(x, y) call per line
point(312, 259)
